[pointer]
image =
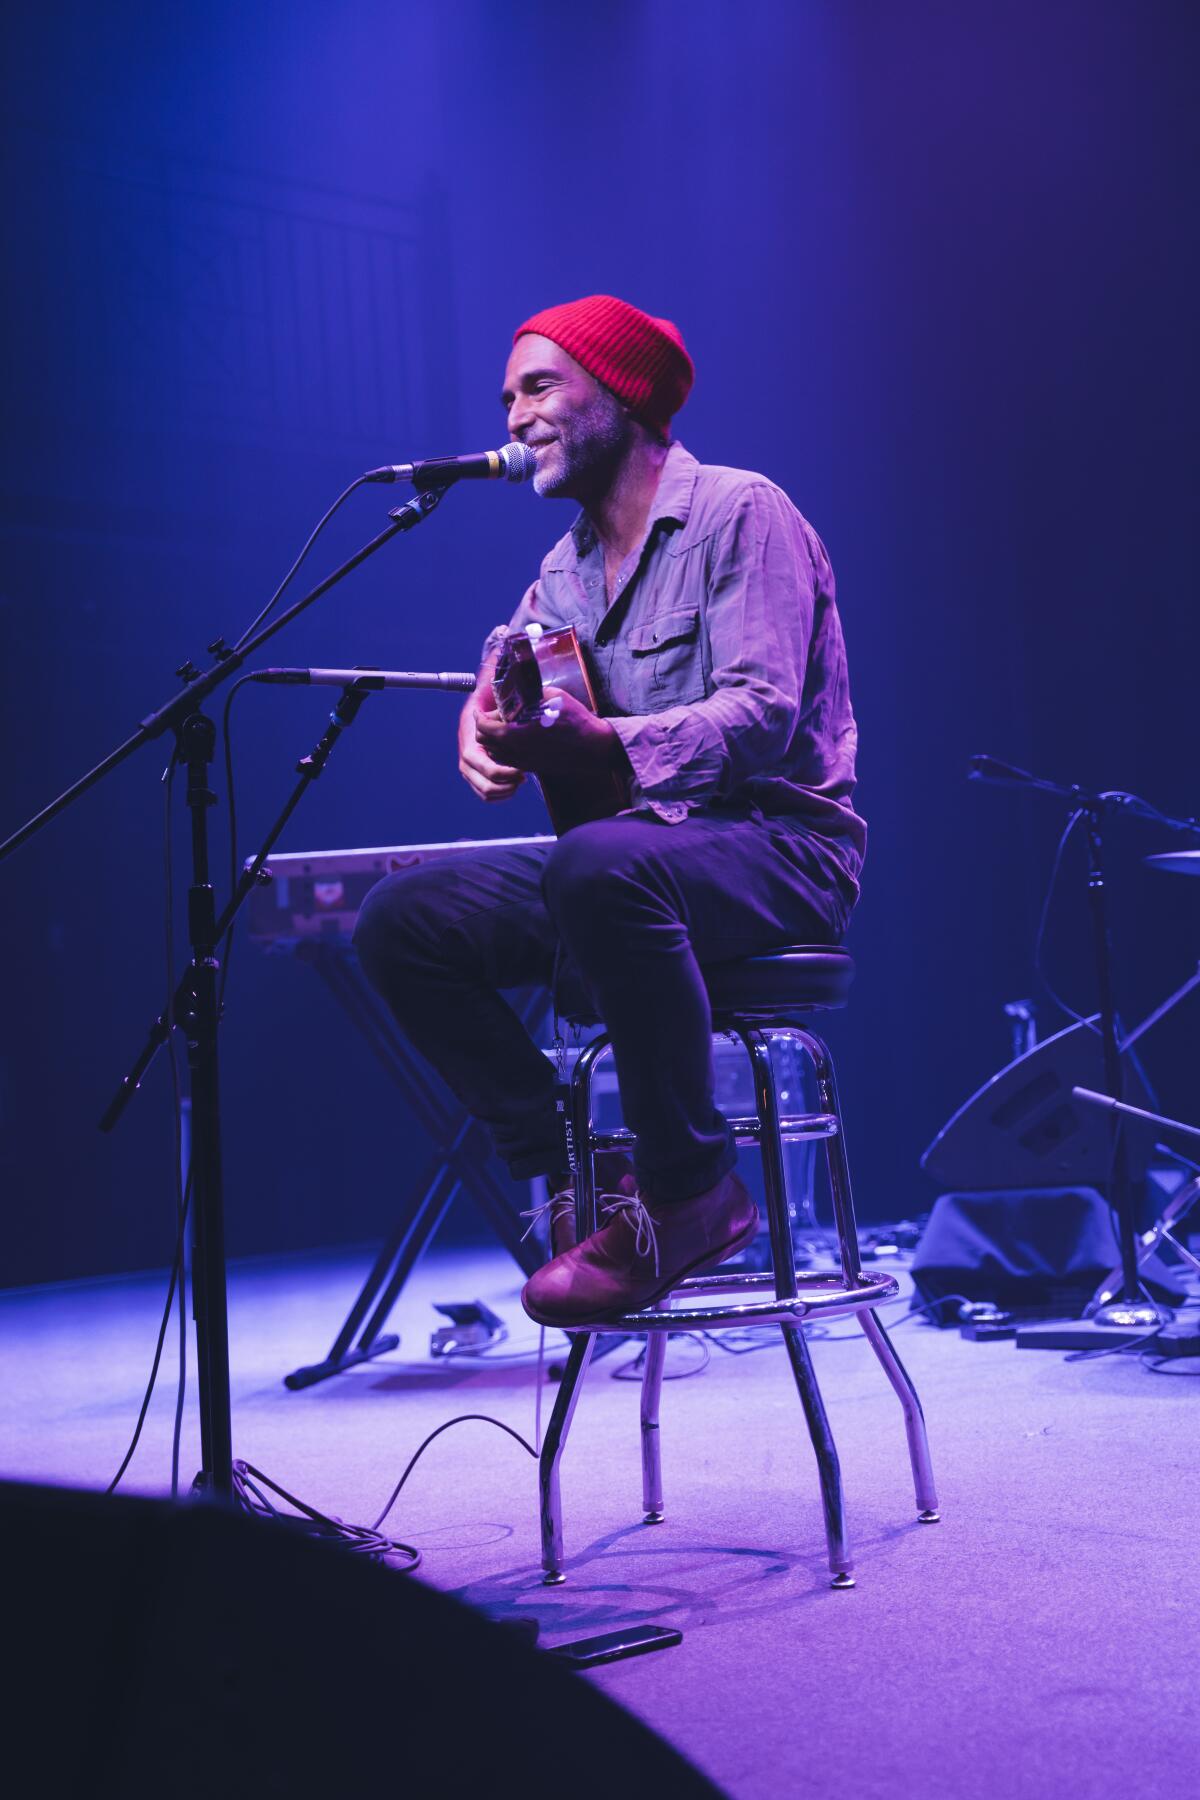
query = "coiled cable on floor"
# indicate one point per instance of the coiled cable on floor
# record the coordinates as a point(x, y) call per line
point(249, 1484)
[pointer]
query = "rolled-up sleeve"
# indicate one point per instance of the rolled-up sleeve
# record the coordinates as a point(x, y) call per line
point(759, 621)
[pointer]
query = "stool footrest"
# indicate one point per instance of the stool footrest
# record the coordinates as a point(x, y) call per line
point(820, 1296)
point(745, 1131)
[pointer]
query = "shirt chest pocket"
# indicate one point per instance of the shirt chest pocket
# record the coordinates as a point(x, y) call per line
point(667, 659)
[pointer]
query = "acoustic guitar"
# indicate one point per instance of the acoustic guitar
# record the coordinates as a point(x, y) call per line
point(529, 662)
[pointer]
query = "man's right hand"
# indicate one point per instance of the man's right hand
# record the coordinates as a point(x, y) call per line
point(490, 780)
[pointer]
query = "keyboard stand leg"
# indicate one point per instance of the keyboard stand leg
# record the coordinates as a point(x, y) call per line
point(403, 1249)
point(461, 1153)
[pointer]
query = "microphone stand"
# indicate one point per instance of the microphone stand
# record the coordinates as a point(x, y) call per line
point(198, 685)
point(356, 686)
point(195, 740)
point(1106, 1103)
point(1131, 1309)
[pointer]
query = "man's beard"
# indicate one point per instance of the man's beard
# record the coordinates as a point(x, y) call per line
point(585, 454)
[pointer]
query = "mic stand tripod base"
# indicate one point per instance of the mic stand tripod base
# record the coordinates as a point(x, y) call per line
point(1130, 1315)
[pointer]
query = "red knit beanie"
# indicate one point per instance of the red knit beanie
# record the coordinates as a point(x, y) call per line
point(642, 360)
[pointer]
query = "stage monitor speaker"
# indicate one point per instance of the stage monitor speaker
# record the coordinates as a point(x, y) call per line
point(1041, 1250)
point(160, 1650)
point(1023, 1130)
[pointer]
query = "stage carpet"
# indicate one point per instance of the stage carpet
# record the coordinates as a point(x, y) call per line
point(1041, 1640)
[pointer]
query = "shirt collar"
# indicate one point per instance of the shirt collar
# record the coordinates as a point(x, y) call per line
point(673, 500)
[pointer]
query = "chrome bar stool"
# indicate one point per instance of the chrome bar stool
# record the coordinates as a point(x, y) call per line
point(751, 998)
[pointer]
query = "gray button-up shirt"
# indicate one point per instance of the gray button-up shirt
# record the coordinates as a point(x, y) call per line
point(720, 661)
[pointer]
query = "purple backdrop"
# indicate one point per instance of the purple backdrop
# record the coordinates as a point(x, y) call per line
point(936, 269)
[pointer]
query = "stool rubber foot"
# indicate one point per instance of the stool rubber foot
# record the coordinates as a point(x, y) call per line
point(931, 1516)
point(843, 1579)
point(653, 1518)
point(553, 1578)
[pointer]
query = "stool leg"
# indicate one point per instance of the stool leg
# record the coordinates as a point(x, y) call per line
point(836, 1158)
point(840, 1560)
point(582, 1344)
point(914, 1418)
point(783, 1257)
point(652, 1377)
point(770, 1143)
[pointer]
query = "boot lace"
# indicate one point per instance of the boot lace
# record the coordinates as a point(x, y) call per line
point(632, 1208)
point(629, 1206)
point(547, 1214)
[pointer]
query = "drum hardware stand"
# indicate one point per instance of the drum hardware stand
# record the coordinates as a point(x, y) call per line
point(198, 998)
point(1130, 1309)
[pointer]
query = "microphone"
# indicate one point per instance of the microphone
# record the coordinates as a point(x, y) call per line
point(514, 462)
point(1123, 1110)
point(368, 680)
point(990, 768)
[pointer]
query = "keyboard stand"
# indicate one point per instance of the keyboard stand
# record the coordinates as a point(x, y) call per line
point(460, 1158)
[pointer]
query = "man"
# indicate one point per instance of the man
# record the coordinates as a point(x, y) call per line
point(705, 606)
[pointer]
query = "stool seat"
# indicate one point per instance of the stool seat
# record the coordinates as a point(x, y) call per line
point(805, 976)
point(796, 977)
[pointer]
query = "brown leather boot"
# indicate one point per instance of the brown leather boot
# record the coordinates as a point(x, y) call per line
point(641, 1253)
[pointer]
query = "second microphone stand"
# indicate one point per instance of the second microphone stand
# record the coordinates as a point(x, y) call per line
point(1132, 1309)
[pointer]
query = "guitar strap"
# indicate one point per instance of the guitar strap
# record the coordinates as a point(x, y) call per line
point(562, 1079)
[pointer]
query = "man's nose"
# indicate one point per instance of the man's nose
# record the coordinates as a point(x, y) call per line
point(520, 414)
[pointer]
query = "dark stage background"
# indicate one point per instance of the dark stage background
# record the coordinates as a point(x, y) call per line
point(936, 267)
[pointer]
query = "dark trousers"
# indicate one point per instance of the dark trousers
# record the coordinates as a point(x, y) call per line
point(629, 906)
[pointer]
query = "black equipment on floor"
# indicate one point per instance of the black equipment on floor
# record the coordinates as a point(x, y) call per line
point(1029, 1250)
point(1023, 1225)
point(186, 1650)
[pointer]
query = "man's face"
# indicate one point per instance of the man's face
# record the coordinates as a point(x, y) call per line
point(578, 430)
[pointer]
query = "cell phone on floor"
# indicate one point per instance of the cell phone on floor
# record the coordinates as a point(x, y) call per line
point(611, 1646)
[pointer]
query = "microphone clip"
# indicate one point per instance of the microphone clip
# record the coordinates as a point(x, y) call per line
point(418, 508)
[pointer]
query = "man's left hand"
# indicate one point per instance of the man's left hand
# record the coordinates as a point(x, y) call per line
point(577, 739)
